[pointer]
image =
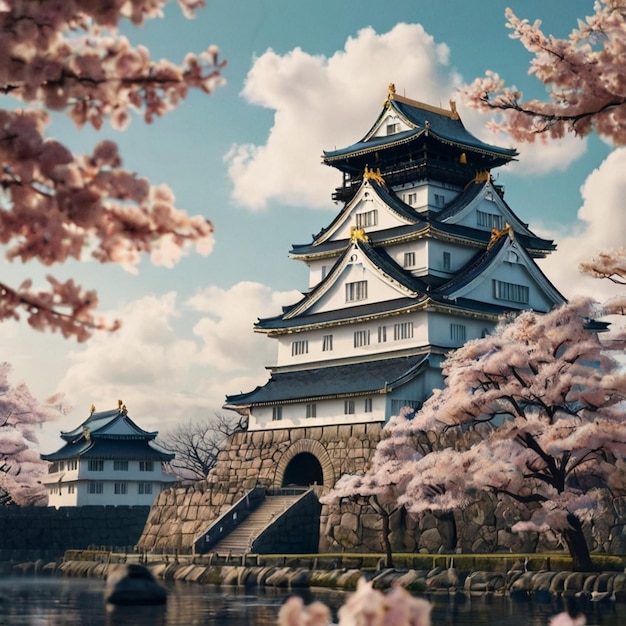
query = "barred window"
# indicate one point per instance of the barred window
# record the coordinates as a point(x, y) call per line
point(393, 128)
point(96, 487)
point(409, 259)
point(71, 488)
point(327, 343)
point(489, 220)
point(367, 218)
point(403, 331)
point(144, 488)
point(120, 488)
point(311, 410)
point(361, 338)
point(348, 407)
point(299, 347)
point(458, 333)
point(510, 291)
point(120, 466)
point(146, 466)
point(446, 260)
point(411, 199)
point(382, 334)
point(95, 465)
point(368, 405)
point(440, 199)
point(356, 291)
point(277, 413)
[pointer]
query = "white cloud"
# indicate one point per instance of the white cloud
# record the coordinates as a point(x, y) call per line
point(601, 225)
point(163, 372)
point(326, 102)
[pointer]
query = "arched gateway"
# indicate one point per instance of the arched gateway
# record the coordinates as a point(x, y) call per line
point(305, 463)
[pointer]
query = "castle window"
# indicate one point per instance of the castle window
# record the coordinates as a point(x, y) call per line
point(489, 220)
point(409, 259)
point(324, 271)
point(120, 466)
point(348, 407)
point(369, 218)
point(440, 200)
point(356, 291)
point(144, 488)
point(146, 466)
point(95, 465)
point(361, 338)
point(277, 413)
point(393, 128)
point(299, 347)
point(311, 410)
point(446, 260)
point(411, 199)
point(382, 334)
point(72, 464)
point(458, 333)
point(489, 196)
point(368, 405)
point(403, 331)
point(327, 343)
point(511, 292)
point(71, 488)
point(120, 488)
point(96, 487)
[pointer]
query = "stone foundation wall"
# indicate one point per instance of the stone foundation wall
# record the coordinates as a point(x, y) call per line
point(180, 514)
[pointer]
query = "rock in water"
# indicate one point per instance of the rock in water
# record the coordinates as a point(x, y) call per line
point(133, 584)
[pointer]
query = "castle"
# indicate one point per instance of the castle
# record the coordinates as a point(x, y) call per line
point(424, 255)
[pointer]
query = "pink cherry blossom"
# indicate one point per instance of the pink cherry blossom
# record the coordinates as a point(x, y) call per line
point(68, 56)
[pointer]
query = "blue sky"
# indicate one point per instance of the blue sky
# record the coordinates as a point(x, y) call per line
point(301, 78)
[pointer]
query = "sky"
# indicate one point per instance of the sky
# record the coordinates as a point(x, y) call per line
point(300, 78)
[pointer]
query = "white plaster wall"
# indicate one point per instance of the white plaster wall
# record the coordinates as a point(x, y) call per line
point(328, 412)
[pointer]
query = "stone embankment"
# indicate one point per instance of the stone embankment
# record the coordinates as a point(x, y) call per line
point(294, 574)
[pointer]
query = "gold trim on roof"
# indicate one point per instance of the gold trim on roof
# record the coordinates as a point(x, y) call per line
point(358, 234)
point(371, 174)
point(483, 176)
point(498, 233)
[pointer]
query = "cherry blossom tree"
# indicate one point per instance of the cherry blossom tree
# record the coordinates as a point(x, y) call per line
point(584, 75)
point(55, 205)
point(20, 466)
point(546, 393)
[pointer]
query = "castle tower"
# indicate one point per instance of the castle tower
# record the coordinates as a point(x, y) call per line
point(424, 255)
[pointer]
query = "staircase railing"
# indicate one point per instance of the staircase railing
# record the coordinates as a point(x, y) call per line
point(227, 522)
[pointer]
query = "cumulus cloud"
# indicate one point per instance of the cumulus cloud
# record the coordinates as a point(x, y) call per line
point(171, 361)
point(325, 102)
point(601, 225)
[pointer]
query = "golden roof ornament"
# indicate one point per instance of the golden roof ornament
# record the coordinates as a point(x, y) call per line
point(92, 409)
point(498, 233)
point(483, 176)
point(86, 433)
point(455, 113)
point(391, 91)
point(358, 234)
point(371, 174)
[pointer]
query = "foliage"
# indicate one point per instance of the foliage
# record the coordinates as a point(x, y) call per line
point(585, 76)
point(20, 466)
point(197, 444)
point(54, 205)
point(547, 394)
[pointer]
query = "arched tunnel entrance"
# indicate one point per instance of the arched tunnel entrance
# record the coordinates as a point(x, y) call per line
point(303, 470)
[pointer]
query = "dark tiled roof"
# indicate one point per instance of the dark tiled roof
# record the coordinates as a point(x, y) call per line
point(339, 380)
point(100, 424)
point(109, 449)
point(444, 127)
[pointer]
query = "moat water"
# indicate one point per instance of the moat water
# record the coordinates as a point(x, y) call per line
point(64, 601)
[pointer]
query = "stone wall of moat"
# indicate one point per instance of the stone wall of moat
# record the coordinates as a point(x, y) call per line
point(249, 459)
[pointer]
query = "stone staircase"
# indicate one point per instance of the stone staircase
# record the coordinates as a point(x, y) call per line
point(239, 540)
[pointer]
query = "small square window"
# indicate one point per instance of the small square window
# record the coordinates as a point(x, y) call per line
point(409, 259)
point(348, 407)
point(311, 410)
point(368, 405)
point(277, 413)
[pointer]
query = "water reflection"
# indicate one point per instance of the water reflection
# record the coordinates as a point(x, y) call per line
point(70, 601)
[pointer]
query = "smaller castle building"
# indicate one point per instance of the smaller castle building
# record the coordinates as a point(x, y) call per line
point(107, 460)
